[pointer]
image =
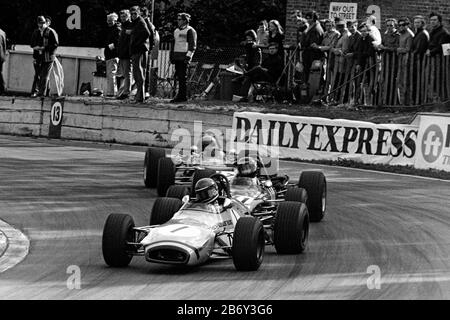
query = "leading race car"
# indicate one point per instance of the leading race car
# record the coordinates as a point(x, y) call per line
point(191, 231)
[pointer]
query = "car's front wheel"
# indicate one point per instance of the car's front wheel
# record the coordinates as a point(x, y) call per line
point(315, 184)
point(291, 229)
point(164, 209)
point(118, 230)
point(248, 244)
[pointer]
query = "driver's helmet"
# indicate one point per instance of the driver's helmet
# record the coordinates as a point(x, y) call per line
point(247, 167)
point(206, 190)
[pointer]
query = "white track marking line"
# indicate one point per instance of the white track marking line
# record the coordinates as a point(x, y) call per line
point(17, 246)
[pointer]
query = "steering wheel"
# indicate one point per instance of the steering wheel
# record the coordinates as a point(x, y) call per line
point(223, 184)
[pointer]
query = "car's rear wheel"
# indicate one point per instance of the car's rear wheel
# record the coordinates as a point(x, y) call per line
point(118, 230)
point(315, 184)
point(248, 244)
point(163, 210)
point(291, 229)
point(177, 192)
point(296, 194)
point(166, 175)
point(198, 175)
point(151, 161)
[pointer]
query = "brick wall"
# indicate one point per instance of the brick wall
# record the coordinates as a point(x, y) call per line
point(389, 8)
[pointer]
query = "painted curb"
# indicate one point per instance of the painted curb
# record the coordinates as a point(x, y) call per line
point(15, 246)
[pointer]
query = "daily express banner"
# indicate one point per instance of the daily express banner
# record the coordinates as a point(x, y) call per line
point(308, 138)
point(434, 143)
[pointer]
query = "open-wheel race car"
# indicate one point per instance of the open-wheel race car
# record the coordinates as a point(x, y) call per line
point(213, 224)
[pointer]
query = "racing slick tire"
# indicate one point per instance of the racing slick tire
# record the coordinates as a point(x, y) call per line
point(166, 176)
point(296, 195)
point(315, 184)
point(152, 157)
point(177, 192)
point(163, 210)
point(291, 229)
point(118, 230)
point(198, 175)
point(248, 244)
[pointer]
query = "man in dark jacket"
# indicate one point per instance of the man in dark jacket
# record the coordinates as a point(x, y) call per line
point(123, 52)
point(421, 37)
point(2, 59)
point(139, 46)
point(151, 39)
point(253, 52)
point(313, 35)
point(269, 71)
point(111, 53)
point(438, 36)
point(185, 38)
point(37, 41)
point(50, 44)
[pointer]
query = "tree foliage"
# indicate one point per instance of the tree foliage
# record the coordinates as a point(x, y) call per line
point(218, 22)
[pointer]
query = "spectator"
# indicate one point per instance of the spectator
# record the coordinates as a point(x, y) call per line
point(123, 52)
point(262, 38)
point(302, 26)
point(313, 37)
point(183, 51)
point(276, 35)
point(330, 38)
point(438, 36)
point(374, 31)
point(270, 71)
point(404, 47)
point(364, 54)
point(353, 41)
point(50, 45)
point(253, 53)
point(339, 51)
point(37, 42)
point(111, 53)
point(391, 38)
point(139, 46)
point(421, 37)
point(152, 40)
point(2, 59)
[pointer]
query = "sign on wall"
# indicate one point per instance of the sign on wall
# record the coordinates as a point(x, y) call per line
point(344, 10)
point(56, 118)
point(434, 143)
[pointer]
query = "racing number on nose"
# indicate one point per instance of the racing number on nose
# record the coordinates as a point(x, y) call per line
point(56, 114)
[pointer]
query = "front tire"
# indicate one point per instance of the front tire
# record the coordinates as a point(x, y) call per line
point(118, 230)
point(296, 195)
point(291, 229)
point(315, 184)
point(152, 157)
point(166, 175)
point(248, 244)
point(163, 210)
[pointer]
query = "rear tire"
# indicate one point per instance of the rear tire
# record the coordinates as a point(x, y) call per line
point(291, 230)
point(248, 244)
point(152, 157)
point(198, 175)
point(177, 192)
point(166, 175)
point(118, 230)
point(164, 210)
point(296, 195)
point(315, 184)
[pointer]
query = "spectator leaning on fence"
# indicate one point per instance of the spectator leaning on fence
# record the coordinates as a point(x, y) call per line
point(403, 50)
point(36, 43)
point(49, 47)
point(276, 35)
point(262, 37)
point(111, 53)
point(353, 40)
point(123, 51)
point(252, 51)
point(139, 46)
point(374, 31)
point(340, 50)
point(366, 57)
point(302, 26)
point(421, 37)
point(183, 50)
point(313, 37)
point(391, 38)
point(152, 42)
point(438, 36)
point(2, 59)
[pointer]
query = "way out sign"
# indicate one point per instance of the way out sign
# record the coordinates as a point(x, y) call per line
point(56, 119)
point(343, 10)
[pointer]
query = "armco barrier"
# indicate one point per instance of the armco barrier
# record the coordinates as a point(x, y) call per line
point(107, 122)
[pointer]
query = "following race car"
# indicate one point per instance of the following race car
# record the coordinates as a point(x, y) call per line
point(191, 231)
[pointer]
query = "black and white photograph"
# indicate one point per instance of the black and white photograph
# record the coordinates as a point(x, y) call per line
point(224, 156)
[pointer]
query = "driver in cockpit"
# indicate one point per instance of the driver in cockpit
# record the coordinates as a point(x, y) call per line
point(207, 192)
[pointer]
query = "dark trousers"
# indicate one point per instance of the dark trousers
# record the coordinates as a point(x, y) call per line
point(139, 61)
point(45, 77)
point(254, 75)
point(37, 76)
point(2, 81)
point(181, 71)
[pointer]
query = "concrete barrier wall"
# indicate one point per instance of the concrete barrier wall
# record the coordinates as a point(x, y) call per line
point(98, 120)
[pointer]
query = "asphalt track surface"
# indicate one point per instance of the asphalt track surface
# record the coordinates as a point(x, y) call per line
point(60, 193)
